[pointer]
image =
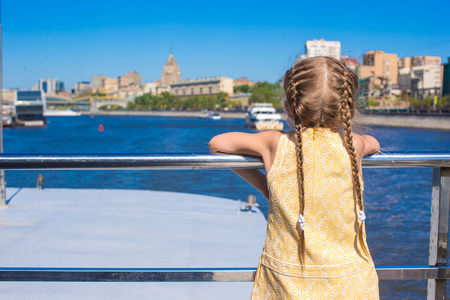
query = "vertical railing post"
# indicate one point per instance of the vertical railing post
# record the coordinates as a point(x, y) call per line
point(2, 172)
point(440, 199)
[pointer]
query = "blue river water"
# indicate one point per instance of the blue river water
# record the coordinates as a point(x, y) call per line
point(397, 200)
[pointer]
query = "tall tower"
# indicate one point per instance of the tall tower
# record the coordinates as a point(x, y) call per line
point(171, 72)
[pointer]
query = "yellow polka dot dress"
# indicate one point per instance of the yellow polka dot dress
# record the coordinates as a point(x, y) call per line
point(334, 265)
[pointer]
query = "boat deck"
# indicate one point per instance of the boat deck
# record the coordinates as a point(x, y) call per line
point(126, 229)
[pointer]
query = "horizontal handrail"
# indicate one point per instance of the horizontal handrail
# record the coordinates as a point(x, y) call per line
point(437, 273)
point(194, 274)
point(183, 161)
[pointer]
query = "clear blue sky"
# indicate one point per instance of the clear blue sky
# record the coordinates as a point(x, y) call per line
point(73, 40)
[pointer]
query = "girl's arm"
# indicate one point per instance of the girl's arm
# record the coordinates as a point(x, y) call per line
point(365, 146)
point(262, 145)
point(256, 178)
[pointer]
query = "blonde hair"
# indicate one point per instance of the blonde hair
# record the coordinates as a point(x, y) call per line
point(321, 92)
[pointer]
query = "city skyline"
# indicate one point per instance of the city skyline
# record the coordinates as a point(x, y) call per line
point(54, 39)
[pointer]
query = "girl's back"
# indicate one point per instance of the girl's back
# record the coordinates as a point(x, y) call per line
point(332, 267)
point(329, 204)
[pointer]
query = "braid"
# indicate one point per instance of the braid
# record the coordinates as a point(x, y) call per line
point(320, 92)
point(347, 106)
point(293, 99)
point(288, 85)
point(301, 191)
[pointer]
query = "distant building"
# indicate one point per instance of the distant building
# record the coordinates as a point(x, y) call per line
point(132, 78)
point(379, 64)
point(148, 88)
point(415, 61)
point(9, 96)
point(425, 61)
point(109, 86)
point(243, 98)
point(404, 79)
point(59, 86)
point(425, 81)
point(351, 62)
point(97, 82)
point(321, 48)
point(82, 87)
point(243, 81)
point(202, 87)
point(161, 89)
point(171, 72)
point(420, 75)
point(404, 63)
point(446, 79)
point(125, 86)
point(130, 85)
point(130, 92)
point(49, 86)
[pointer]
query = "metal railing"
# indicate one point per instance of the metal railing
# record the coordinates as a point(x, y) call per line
point(437, 272)
point(193, 161)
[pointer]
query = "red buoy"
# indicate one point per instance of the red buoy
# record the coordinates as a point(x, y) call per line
point(100, 128)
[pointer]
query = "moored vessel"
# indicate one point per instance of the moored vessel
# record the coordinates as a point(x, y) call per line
point(214, 116)
point(209, 115)
point(62, 113)
point(263, 116)
point(29, 107)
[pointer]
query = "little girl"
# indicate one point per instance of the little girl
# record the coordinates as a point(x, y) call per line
point(315, 245)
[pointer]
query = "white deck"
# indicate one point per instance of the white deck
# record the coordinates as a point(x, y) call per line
point(126, 229)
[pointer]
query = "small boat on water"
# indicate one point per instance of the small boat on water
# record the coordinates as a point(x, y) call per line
point(32, 123)
point(11, 121)
point(263, 116)
point(8, 121)
point(62, 113)
point(203, 114)
point(214, 116)
point(209, 115)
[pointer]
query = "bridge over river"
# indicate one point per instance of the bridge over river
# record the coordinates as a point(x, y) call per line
point(88, 103)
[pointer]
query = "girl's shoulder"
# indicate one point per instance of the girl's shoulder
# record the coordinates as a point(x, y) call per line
point(273, 135)
point(272, 138)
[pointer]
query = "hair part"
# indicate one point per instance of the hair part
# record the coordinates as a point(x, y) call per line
point(321, 92)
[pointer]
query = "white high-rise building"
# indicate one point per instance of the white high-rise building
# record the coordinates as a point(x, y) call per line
point(321, 48)
point(50, 86)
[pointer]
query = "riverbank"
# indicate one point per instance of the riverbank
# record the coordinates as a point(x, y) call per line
point(168, 113)
point(394, 120)
point(408, 121)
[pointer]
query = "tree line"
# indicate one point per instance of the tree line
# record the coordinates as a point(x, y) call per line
point(165, 101)
point(261, 92)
